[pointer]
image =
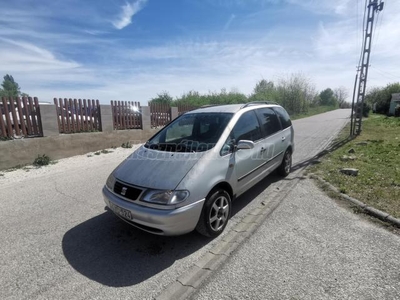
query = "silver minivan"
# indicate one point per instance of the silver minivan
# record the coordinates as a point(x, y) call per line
point(187, 175)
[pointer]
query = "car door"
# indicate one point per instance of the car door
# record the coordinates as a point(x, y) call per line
point(287, 128)
point(248, 162)
point(273, 140)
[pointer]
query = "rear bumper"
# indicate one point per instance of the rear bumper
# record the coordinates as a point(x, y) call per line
point(158, 221)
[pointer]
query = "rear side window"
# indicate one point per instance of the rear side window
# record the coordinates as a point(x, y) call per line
point(269, 121)
point(247, 128)
point(283, 117)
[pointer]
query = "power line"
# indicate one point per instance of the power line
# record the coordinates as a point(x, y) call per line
point(374, 34)
point(380, 24)
point(363, 35)
point(385, 73)
point(357, 26)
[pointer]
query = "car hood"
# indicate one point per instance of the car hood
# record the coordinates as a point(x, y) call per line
point(156, 169)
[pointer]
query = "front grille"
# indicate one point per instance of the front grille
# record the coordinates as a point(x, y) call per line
point(127, 191)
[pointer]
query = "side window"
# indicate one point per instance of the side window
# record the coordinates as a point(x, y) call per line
point(247, 128)
point(269, 121)
point(283, 117)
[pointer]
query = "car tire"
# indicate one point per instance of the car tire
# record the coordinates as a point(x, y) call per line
point(215, 214)
point(286, 165)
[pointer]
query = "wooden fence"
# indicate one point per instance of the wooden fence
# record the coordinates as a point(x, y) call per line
point(183, 108)
point(20, 117)
point(160, 114)
point(77, 115)
point(126, 115)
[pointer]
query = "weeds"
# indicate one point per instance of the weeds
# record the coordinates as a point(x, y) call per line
point(42, 160)
point(127, 145)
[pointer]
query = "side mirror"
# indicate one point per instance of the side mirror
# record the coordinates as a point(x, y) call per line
point(245, 144)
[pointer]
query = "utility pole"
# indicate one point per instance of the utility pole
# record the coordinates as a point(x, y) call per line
point(373, 7)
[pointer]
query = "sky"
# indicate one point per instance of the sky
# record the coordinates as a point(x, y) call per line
point(133, 50)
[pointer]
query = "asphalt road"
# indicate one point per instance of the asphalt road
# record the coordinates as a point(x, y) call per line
point(57, 241)
point(310, 247)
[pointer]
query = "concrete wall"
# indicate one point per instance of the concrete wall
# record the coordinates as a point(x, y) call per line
point(24, 151)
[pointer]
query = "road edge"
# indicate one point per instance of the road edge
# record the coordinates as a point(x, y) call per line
point(383, 216)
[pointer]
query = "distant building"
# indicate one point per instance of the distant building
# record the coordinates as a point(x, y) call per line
point(394, 103)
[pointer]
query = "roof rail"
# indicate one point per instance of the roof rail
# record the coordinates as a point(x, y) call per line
point(257, 103)
point(209, 105)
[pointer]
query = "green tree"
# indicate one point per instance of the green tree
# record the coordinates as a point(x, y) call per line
point(163, 98)
point(224, 97)
point(295, 93)
point(327, 97)
point(263, 91)
point(263, 86)
point(194, 98)
point(10, 88)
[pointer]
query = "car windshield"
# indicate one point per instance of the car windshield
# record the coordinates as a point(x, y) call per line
point(194, 132)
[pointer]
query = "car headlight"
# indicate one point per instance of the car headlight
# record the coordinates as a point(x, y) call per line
point(110, 181)
point(165, 197)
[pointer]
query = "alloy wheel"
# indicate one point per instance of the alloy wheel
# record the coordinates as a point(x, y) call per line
point(219, 213)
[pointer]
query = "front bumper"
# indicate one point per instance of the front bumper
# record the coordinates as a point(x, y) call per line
point(158, 221)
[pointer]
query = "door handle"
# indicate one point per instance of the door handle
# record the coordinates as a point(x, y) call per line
point(283, 139)
point(262, 149)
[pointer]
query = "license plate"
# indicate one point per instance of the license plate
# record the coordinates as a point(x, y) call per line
point(121, 211)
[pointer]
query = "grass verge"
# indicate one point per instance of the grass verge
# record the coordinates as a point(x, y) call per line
point(313, 111)
point(378, 161)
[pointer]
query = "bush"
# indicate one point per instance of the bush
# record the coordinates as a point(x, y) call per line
point(382, 97)
point(42, 160)
point(366, 109)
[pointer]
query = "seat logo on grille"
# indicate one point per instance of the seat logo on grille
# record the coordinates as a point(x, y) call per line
point(123, 191)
